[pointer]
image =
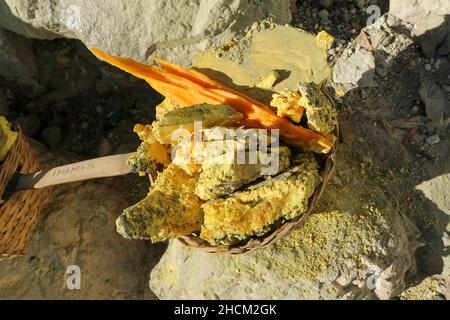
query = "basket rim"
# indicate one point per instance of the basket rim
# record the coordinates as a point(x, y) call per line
point(286, 226)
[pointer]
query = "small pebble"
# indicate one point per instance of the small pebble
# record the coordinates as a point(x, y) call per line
point(99, 109)
point(415, 109)
point(323, 13)
point(432, 140)
point(346, 17)
point(428, 67)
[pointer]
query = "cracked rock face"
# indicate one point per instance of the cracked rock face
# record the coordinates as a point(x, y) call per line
point(354, 246)
point(414, 11)
point(174, 30)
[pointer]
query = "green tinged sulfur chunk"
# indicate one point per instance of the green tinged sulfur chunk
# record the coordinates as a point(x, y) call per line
point(140, 162)
point(184, 118)
point(321, 114)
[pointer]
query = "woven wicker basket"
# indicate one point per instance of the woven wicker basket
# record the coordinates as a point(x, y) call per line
point(328, 162)
point(19, 214)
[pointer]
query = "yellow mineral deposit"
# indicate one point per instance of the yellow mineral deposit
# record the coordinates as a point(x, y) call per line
point(171, 209)
point(7, 138)
point(292, 52)
point(287, 103)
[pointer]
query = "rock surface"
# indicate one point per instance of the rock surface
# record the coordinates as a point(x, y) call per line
point(430, 19)
point(415, 10)
point(174, 30)
point(430, 288)
point(355, 246)
point(358, 69)
point(17, 64)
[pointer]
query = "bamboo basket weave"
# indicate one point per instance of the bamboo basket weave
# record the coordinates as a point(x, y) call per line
point(328, 162)
point(19, 214)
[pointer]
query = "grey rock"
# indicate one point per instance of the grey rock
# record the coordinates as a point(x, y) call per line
point(323, 14)
point(430, 33)
point(392, 21)
point(358, 69)
point(10, 21)
point(434, 99)
point(377, 37)
point(392, 42)
point(174, 30)
point(30, 124)
point(437, 64)
point(414, 11)
point(51, 136)
point(432, 140)
point(348, 249)
point(435, 190)
point(382, 62)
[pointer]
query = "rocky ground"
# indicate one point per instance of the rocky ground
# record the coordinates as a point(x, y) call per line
point(393, 91)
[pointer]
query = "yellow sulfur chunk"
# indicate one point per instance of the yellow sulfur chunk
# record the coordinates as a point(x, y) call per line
point(150, 152)
point(324, 40)
point(287, 104)
point(7, 138)
point(171, 209)
point(268, 81)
